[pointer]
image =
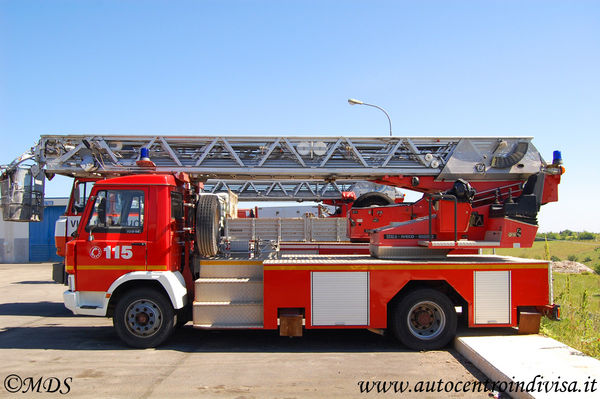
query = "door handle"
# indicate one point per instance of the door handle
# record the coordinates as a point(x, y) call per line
point(138, 243)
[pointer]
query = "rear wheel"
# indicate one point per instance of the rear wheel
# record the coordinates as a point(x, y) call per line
point(424, 320)
point(208, 215)
point(144, 318)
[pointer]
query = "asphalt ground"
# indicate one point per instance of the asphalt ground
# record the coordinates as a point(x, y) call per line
point(45, 351)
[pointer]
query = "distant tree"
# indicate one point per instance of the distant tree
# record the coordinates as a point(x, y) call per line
point(565, 234)
point(555, 258)
point(586, 235)
point(572, 258)
point(587, 259)
point(552, 236)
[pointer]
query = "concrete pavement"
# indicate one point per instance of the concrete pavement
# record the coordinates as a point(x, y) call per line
point(39, 338)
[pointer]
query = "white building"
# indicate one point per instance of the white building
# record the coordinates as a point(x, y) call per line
point(32, 242)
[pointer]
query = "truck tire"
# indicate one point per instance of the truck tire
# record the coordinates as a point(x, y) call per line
point(372, 199)
point(144, 318)
point(424, 320)
point(208, 215)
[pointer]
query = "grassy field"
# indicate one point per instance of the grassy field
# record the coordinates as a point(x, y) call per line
point(578, 294)
point(586, 252)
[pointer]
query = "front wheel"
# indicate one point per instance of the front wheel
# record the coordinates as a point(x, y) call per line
point(424, 320)
point(144, 318)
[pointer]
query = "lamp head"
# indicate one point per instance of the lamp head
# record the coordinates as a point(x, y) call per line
point(353, 101)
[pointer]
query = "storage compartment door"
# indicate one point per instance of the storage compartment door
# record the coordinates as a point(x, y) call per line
point(492, 297)
point(340, 298)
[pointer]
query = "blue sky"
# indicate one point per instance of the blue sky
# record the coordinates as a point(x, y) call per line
point(440, 68)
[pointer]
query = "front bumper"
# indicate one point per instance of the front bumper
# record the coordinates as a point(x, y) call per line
point(84, 306)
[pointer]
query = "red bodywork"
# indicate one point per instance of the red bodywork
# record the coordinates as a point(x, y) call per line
point(288, 284)
point(482, 221)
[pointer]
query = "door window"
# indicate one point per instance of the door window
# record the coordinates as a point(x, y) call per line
point(117, 211)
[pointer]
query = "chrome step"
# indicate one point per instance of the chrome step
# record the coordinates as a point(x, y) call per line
point(228, 313)
point(228, 290)
point(231, 268)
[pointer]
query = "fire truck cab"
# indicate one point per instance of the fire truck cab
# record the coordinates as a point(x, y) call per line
point(130, 235)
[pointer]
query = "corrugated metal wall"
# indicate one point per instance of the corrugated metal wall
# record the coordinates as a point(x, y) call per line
point(41, 236)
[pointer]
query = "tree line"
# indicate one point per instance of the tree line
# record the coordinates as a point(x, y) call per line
point(568, 235)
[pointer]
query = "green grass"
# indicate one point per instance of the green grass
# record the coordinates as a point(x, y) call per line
point(582, 250)
point(579, 327)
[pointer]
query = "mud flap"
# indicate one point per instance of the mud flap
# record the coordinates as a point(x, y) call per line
point(59, 275)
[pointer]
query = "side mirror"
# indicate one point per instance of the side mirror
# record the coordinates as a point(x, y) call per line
point(91, 236)
point(76, 194)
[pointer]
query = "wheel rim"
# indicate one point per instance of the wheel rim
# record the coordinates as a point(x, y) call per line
point(426, 320)
point(143, 318)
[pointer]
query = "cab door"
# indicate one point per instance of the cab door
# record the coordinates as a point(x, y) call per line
point(114, 240)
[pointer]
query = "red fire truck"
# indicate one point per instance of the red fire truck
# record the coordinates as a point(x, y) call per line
point(148, 243)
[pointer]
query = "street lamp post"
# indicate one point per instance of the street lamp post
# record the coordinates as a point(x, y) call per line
point(353, 101)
